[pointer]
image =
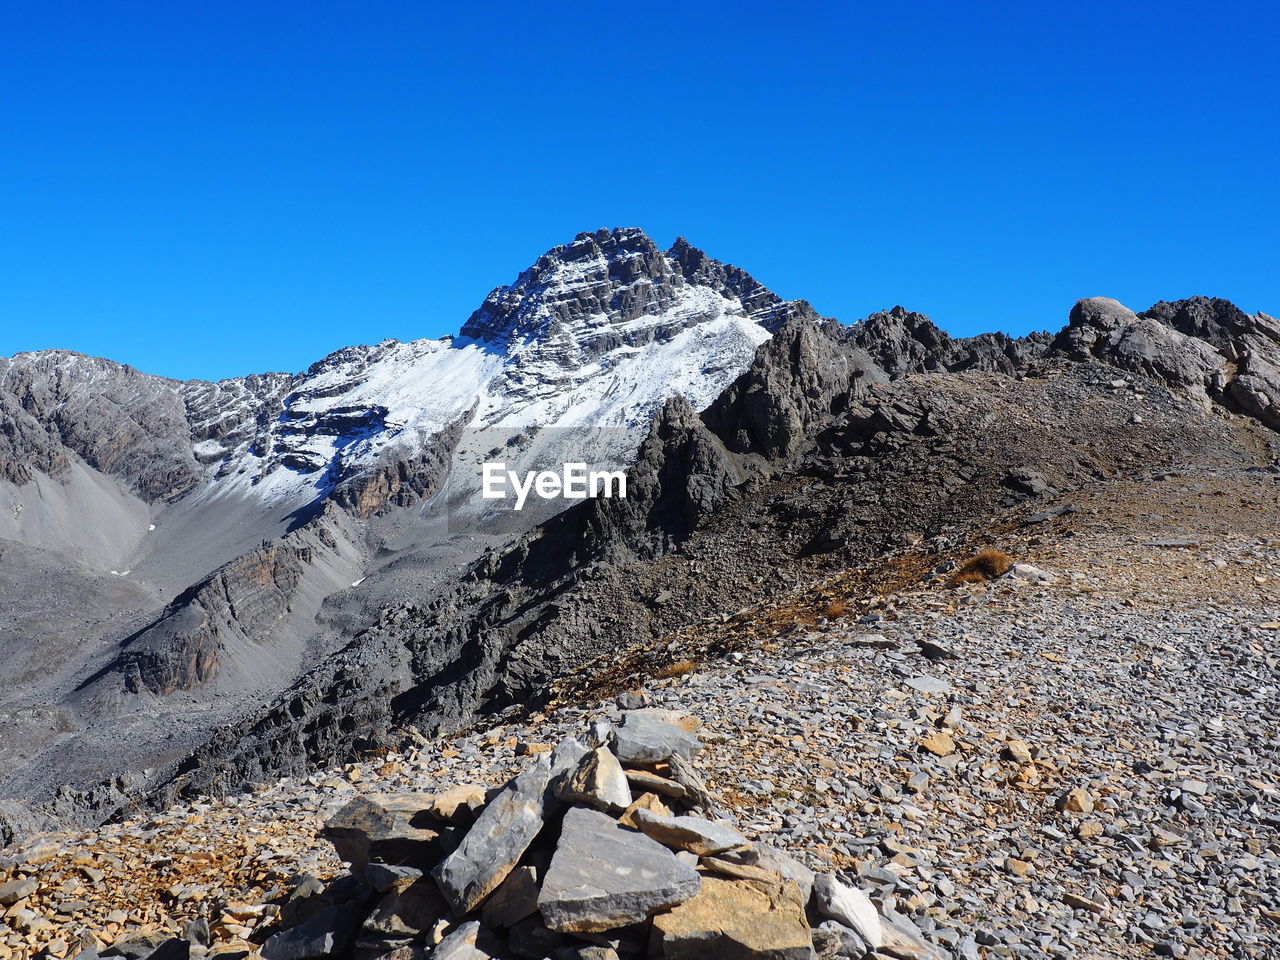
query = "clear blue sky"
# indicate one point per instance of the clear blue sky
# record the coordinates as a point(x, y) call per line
point(210, 189)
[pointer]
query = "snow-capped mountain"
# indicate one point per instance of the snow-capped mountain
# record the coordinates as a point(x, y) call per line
point(169, 544)
point(597, 332)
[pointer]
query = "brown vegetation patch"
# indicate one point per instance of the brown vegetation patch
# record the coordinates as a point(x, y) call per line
point(982, 566)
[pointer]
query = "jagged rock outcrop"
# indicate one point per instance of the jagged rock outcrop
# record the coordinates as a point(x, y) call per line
point(1208, 347)
point(1109, 330)
point(800, 378)
point(1250, 344)
point(121, 422)
point(761, 303)
point(901, 342)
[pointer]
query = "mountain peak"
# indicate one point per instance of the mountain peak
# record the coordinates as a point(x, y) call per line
point(614, 279)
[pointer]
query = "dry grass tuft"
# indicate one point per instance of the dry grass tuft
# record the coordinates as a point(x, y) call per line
point(679, 669)
point(982, 566)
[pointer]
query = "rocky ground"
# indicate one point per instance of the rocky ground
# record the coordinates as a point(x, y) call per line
point(1076, 762)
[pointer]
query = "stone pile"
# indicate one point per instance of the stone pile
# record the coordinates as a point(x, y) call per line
point(607, 846)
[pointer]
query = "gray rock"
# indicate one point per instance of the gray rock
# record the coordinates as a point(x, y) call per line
point(408, 910)
point(834, 940)
point(11, 891)
point(598, 781)
point(504, 830)
point(388, 828)
point(515, 899)
point(470, 941)
point(325, 934)
point(927, 684)
point(383, 876)
point(1025, 571)
point(197, 931)
point(849, 906)
point(604, 876)
point(771, 858)
point(172, 948)
point(703, 837)
point(643, 738)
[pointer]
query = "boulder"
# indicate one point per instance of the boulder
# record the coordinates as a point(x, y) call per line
point(603, 876)
point(382, 876)
point(11, 891)
point(391, 828)
point(469, 941)
point(849, 906)
point(646, 801)
point(832, 940)
point(598, 781)
point(327, 933)
point(460, 803)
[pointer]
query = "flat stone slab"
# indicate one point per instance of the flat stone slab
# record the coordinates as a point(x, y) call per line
point(646, 739)
point(504, 830)
point(927, 684)
point(703, 837)
point(648, 782)
point(736, 920)
point(603, 876)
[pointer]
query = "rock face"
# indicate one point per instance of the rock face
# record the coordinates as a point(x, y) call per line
point(598, 781)
point(244, 599)
point(1208, 347)
point(900, 342)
